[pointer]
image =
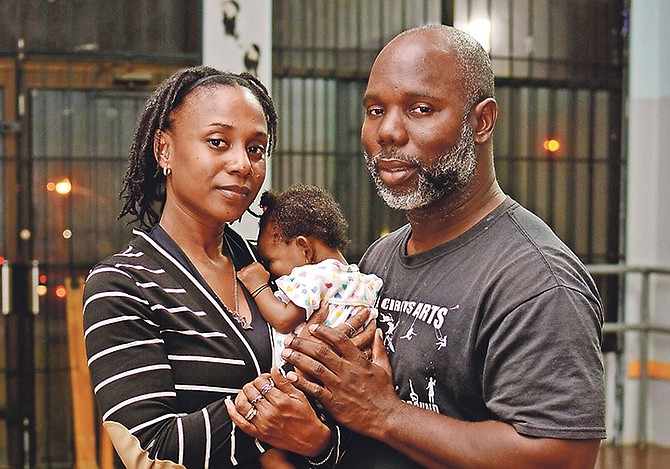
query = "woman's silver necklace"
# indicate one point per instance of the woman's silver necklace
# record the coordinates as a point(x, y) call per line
point(241, 320)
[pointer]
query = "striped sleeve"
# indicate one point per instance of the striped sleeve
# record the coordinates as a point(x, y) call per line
point(151, 417)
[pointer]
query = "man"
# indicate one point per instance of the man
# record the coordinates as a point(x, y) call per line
point(492, 325)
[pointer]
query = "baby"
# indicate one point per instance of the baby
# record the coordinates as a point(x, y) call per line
point(302, 233)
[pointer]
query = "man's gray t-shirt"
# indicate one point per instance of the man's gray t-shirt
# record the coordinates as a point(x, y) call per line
point(502, 323)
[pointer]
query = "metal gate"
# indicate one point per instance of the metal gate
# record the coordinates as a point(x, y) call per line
point(559, 68)
point(75, 141)
point(73, 76)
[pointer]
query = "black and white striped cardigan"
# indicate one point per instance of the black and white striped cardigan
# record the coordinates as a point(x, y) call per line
point(163, 355)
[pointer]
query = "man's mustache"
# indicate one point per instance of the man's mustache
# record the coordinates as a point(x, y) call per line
point(393, 154)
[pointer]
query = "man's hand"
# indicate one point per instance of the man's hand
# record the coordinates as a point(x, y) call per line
point(358, 392)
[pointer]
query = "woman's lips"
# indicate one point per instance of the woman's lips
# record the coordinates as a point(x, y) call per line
point(234, 191)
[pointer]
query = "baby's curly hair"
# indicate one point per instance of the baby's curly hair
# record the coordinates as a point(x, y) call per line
point(304, 210)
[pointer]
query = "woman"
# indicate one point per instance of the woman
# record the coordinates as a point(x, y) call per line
point(170, 333)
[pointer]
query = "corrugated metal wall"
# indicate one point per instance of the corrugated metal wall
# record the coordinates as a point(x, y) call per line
point(559, 65)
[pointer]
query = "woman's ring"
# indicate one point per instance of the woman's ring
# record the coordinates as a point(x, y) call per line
point(266, 387)
point(256, 399)
point(251, 414)
point(352, 328)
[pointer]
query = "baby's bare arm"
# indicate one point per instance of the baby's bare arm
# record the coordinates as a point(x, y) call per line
point(253, 276)
point(284, 317)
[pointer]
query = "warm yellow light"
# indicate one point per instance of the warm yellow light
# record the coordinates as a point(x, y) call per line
point(551, 145)
point(51, 186)
point(64, 186)
point(41, 290)
point(67, 234)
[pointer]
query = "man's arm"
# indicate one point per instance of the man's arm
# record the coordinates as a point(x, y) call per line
point(359, 394)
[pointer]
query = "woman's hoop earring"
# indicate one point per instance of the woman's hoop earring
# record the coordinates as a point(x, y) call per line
point(166, 171)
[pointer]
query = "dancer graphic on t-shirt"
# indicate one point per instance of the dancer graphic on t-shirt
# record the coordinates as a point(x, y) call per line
point(410, 333)
point(412, 395)
point(388, 335)
point(431, 389)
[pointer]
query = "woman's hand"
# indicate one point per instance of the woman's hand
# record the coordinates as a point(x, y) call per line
point(271, 409)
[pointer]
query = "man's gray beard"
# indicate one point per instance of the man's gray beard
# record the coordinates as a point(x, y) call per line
point(452, 171)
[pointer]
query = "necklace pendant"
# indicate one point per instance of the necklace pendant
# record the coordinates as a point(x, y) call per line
point(235, 313)
point(242, 321)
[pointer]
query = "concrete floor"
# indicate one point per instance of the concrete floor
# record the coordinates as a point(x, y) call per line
point(633, 457)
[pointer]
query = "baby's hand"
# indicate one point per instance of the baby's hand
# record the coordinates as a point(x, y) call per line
point(253, 276)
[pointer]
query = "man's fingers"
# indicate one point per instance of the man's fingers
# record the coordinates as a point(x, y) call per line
point(319, 316)
point(379, 356)
point(337, 340)
point(309, 387)
point(358, 319)
point(312, 357)
point(363, 339)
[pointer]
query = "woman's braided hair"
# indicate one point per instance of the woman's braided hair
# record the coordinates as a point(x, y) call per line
point(304, 210)
point(144, 183)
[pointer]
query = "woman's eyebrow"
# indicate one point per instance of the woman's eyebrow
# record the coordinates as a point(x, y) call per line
point(220, 124)
point(258, 133)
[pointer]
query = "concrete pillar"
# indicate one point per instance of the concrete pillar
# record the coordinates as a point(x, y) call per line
point(648, 201)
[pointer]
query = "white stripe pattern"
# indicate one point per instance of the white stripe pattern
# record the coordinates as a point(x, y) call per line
point(197, 387)
point(208, 437)
point(128, 253)
point(202, 358)
point(208, 360)
point(259, 446)
point(135, 399)
point(141, 267)
point(107, 322)
point(177, 309)
point(233, 459)
point(151, 422)
point(112, 294)
point(103, 269)
point(133, 372)
point(208, 335)
point(174, 291)
point(204, 291)
point(117, 348)
point(180, 434)
point(147, 284)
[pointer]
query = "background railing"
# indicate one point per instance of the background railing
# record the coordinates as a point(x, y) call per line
point(642, 324)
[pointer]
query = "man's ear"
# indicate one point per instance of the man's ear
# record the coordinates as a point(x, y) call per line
point(486, 115)
point(308, 249)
